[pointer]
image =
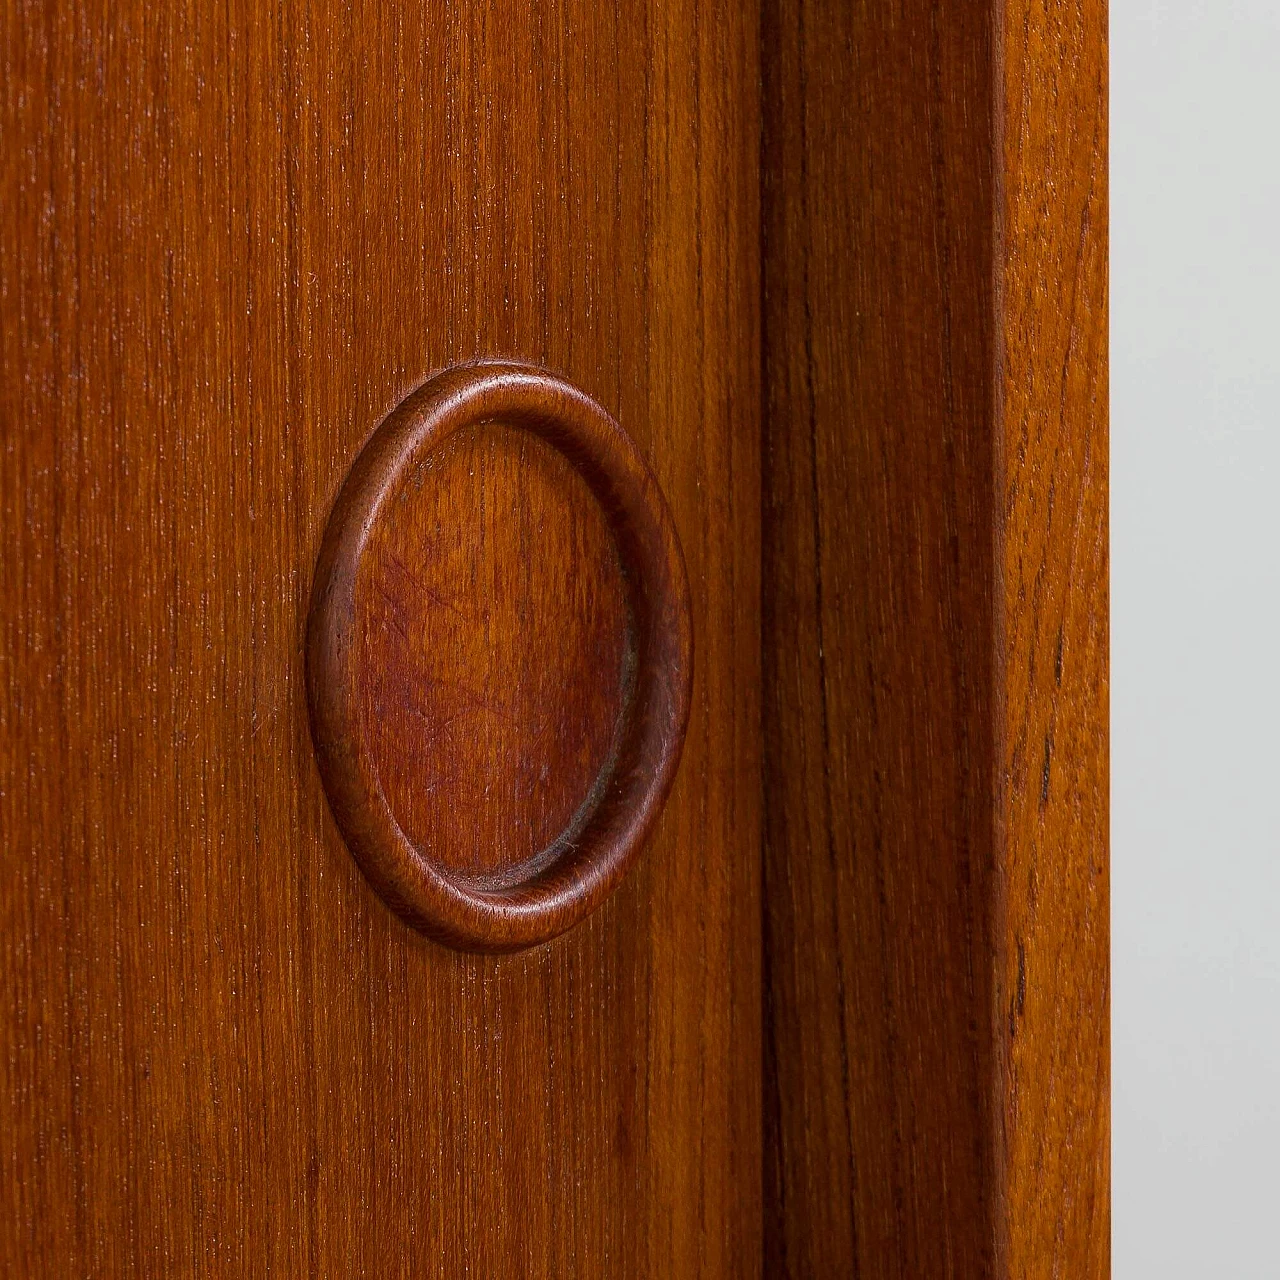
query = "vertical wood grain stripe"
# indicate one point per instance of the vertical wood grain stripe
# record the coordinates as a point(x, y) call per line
point(1053, 962)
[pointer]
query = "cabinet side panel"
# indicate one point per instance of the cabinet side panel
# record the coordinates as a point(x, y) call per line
point(1053, 969)
point(935, 598)
point(878, 606)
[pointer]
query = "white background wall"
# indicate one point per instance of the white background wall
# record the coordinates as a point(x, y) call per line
point(1195, 342)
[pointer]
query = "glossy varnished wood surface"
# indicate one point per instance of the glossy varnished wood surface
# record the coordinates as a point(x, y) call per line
point(232, 240)
point(935, 599)
point(591, 606)
point(493, 623)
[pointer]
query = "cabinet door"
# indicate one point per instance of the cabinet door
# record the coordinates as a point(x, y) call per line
point(234, 238)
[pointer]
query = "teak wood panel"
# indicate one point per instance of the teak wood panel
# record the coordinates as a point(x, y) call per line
point(233, 238)
point(533, 625)
point(935, 595)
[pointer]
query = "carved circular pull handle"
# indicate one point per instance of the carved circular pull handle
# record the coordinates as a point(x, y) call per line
point(499, 656)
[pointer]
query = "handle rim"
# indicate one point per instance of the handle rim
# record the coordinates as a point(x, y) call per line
point(541, 897)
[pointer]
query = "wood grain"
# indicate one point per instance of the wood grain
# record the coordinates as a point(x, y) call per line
point(596, 620)
point(1053, 959)
point(231, 242)
point(232, 239)
point(494, 624)
point(935, 597)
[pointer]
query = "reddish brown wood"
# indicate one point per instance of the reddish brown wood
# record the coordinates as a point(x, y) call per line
point(492, 624)
point(233, 238)
point(1052, 960)
point(935, 639)
point(614, 621)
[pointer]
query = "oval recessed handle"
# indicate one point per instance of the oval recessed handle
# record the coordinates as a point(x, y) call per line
point(501, 903)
